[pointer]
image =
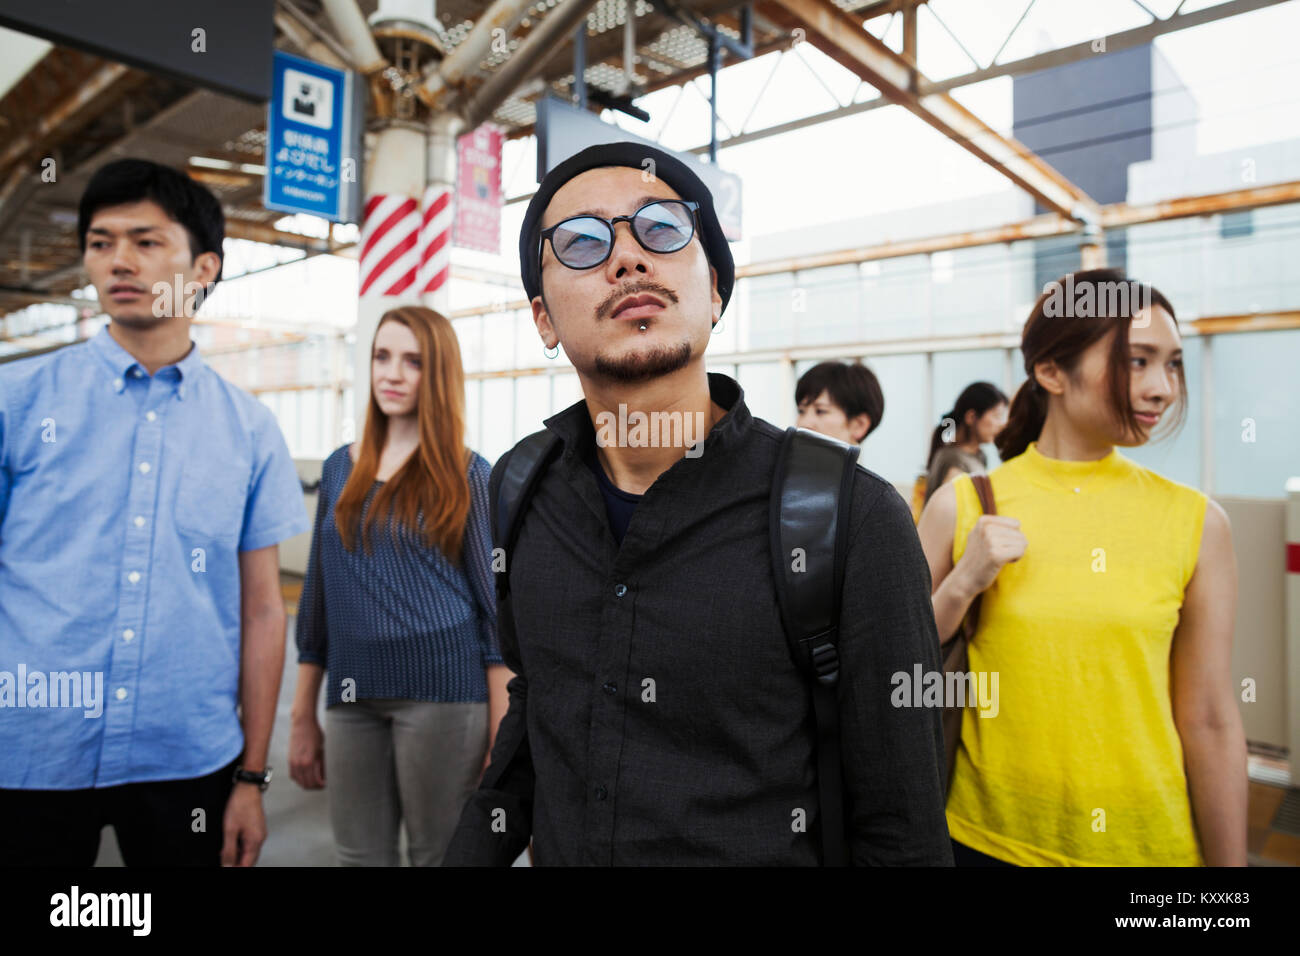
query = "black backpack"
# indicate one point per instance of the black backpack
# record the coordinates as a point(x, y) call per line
point(809, 468)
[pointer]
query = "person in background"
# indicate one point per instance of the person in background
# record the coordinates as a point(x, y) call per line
point(976, 419)
point(399, 608)
point(1109, 594)
point(142, 502)
point(841, 400)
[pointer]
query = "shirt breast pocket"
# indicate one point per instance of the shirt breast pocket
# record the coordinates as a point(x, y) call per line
point(210, 500)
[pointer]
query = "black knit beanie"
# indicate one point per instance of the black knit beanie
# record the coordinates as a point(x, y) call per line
point(667, 167)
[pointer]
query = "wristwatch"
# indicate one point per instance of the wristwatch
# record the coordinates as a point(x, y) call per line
point(263, 779)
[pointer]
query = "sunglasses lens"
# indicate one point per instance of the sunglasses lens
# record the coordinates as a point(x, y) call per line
point(581, 243)
point(664, 227)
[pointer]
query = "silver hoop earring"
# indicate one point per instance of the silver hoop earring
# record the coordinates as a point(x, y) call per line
point(549, 354)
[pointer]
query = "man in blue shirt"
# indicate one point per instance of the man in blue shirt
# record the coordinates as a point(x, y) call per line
point(142, 498)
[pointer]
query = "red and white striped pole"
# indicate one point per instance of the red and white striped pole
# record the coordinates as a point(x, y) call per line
point(438, 210)
point(435, 240)
point(390, 255)
point(390, 244)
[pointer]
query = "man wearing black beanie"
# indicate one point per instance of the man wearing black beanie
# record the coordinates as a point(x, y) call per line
point(657, 716)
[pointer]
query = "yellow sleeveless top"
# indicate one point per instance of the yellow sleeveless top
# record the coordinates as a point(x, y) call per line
point(1078, 761)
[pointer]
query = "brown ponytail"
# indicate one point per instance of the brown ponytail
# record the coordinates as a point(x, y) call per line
point(1072, 313)
point(1024, 420)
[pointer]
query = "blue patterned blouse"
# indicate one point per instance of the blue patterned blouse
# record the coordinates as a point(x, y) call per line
point(401, 622)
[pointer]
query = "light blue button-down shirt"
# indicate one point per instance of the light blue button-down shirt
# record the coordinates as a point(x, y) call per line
point(124, 501)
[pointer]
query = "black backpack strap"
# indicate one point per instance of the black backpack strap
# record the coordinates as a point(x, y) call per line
point(812, 489)
point(527, 462)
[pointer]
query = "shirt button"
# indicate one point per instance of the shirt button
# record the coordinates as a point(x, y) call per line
point(139, 521)
point(136, 372)
point(133, 577)
point(611, 688)
point(601, 792)
point(144, 468)
point(118, 383)
point(150, 415)
point(128, 635)
point(620, 589)
point(121, 693)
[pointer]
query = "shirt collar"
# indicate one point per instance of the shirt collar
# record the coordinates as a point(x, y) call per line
point(574, 426)
point(121, 362)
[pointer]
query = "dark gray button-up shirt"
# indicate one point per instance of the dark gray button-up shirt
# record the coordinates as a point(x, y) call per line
point(658, 717)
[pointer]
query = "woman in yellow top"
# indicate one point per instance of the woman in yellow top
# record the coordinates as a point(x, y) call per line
point(1111, 736)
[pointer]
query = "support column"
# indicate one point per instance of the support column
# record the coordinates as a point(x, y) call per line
point(909, 36)
point(1207, 413)
point(1293, 623)
point(438, 210)
point(1092, 241)
point(389, 256)
point(1092, 254)
point(580, 65)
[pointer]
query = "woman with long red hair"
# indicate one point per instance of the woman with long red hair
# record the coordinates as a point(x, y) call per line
point(398, 608)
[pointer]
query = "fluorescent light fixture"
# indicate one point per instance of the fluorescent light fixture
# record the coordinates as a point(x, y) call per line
point(225, 165)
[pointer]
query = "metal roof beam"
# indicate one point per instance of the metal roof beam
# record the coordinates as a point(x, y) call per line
point(843, 38)
point(1121, 214)
point(883, 7)
point(529, 59)
point(1112, 216)
point(48, 128)
point(1139, 36)
point(1045, 226)
point(1071, 54)
point(503, 15)
point(609, 45)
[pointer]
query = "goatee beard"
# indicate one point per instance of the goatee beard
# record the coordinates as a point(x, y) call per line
point(644, 366)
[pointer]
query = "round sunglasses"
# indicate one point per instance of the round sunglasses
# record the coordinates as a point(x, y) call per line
point(584, 242)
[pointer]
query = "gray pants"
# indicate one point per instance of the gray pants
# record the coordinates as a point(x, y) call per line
point(389, 761)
